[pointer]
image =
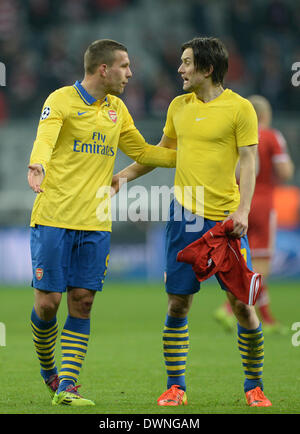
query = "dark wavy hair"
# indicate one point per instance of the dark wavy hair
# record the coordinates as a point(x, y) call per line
point(209, 51)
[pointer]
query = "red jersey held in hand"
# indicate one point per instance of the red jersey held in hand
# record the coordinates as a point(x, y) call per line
point(218, 252)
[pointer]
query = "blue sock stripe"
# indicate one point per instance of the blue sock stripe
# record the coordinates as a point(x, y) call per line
point(179, 363)
point(76, 363)
point(77, 325)
point(46, 366)
point(73, 348)
point(175, 322)
point(246, 331)
point(46, 363)
point(166, 354)
point(176, 347)
point(176, 373)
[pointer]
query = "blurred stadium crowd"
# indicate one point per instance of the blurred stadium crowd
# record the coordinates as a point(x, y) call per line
point(42, 43)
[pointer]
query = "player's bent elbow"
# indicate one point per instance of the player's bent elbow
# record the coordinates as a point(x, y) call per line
point(285, 171)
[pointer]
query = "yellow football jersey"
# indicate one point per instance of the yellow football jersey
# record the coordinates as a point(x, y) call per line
point(77, 141)
point(208, 136)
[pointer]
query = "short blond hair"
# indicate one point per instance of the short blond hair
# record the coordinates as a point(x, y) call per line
point(261, 105)
point(101, 51)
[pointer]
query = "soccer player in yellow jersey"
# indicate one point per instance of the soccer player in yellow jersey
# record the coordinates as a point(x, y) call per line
point(211, 128)
point(71, 168)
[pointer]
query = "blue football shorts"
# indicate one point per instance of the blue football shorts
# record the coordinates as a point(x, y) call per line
point(63, 258)
point(182, 229)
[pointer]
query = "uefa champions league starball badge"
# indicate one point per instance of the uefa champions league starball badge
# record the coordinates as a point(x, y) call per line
point(45, 113)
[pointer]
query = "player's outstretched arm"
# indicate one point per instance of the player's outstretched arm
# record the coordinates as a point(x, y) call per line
point(55, 110)
point(35, 177)
point(135, 170)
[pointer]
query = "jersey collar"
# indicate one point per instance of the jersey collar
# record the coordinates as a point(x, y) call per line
point(87, 98)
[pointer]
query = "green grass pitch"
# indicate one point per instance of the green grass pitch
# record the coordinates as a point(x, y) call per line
point(124, 369)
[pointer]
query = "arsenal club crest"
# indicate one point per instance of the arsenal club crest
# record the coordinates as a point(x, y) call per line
point(39, 272)
point(113, 115)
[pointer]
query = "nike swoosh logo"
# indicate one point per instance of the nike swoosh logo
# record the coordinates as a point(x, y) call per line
point(81, 113)
point(199, 119)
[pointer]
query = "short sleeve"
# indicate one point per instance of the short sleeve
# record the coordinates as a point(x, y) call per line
point(169, 129)
point(246, 128)
point(127, 121)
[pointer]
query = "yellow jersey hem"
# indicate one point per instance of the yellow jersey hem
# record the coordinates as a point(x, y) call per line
point(68, 226)
point(208, 216)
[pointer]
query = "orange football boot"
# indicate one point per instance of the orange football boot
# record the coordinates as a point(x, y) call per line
point(173, 396)
point(256, 398)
